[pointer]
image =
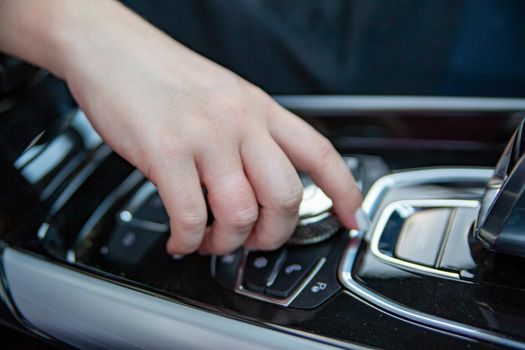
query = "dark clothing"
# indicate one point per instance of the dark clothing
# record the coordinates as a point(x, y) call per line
point(416, 47)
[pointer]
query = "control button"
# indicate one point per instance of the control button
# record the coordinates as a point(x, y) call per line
point(314, 201)
point(299, 262)
point(260, 266)
point(456, 253)
point(421, 235)
point(324, 284)
point(310, 232)
point(153, 210)
point(315, 222)
point(128, 244)
point(224, 268)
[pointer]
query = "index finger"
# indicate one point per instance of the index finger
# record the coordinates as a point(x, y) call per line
point(313, 153)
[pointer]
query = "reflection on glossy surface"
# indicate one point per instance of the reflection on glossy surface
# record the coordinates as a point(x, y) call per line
point(343, 318)
point(471, 306)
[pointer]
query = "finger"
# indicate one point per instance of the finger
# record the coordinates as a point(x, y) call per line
point(230, 198)
point(180, 190)
point(313, 153)
point(277, 188)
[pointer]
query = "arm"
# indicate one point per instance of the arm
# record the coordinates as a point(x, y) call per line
point(184, 121)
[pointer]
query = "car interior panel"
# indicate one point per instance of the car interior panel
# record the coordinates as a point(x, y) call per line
point(83, 238)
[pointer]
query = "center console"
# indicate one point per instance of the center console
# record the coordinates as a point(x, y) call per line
point(440, 264)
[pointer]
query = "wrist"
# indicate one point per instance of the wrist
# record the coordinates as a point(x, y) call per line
point(81, 35)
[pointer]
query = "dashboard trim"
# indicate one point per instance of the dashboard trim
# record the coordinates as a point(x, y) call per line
point(341, 104)
point(83, 317)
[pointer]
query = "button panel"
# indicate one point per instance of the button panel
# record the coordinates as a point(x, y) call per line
point(298, 264)
point(283, 276)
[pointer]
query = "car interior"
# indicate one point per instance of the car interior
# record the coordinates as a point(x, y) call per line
point(439, 263)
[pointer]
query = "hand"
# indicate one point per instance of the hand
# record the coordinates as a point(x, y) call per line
point(186, 122)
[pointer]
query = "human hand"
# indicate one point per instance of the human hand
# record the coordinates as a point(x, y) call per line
point(186, 122)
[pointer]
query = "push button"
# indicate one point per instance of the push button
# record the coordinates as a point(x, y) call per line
point(299, 262)
point(292, 272)
point(456, 253)
point(153, 210)
point(129, 244)
point(421, 236)
point(225, 268)
point(325, 283)
point(260, 266)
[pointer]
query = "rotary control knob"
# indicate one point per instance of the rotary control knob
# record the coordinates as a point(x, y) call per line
point(316, 223)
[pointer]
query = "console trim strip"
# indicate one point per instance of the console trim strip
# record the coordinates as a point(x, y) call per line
point(341, 104)
point(418, 176)
point(349, 256)
point(96, 313)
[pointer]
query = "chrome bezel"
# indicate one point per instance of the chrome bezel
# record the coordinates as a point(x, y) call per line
point(353, 288)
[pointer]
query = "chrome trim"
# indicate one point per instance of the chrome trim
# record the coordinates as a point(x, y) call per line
point(345, 277)
point(340, 104)
point(82, 125)
point(375, 195)
point(150, 225)
point(55, 151)
point(6, 298)
point(100, 155)
point(420, 176)
point(42, 231)
point(276, 268)
point(418, 203)
point(62, 175)
point(142, 194)
point(129, 183)
point(313, 220)
point(29, 154)
point(283, 302)
point(128, 213)
point(92, 313)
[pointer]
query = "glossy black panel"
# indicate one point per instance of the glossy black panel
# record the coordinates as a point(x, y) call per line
point(496, 305)
point(342, 317)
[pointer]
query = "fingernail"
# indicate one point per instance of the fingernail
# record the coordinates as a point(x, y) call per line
point(363, 223)
point(178, 256)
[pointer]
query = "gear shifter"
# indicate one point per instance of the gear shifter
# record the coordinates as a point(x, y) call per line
point(501, 222)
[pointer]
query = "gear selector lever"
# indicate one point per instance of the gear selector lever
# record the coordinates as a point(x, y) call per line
point(501, 222)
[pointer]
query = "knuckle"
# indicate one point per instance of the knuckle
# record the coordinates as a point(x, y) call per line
point(236, 110)
point(170, 146)
point(190, 220)
point(244, 217)
point(290, 201)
